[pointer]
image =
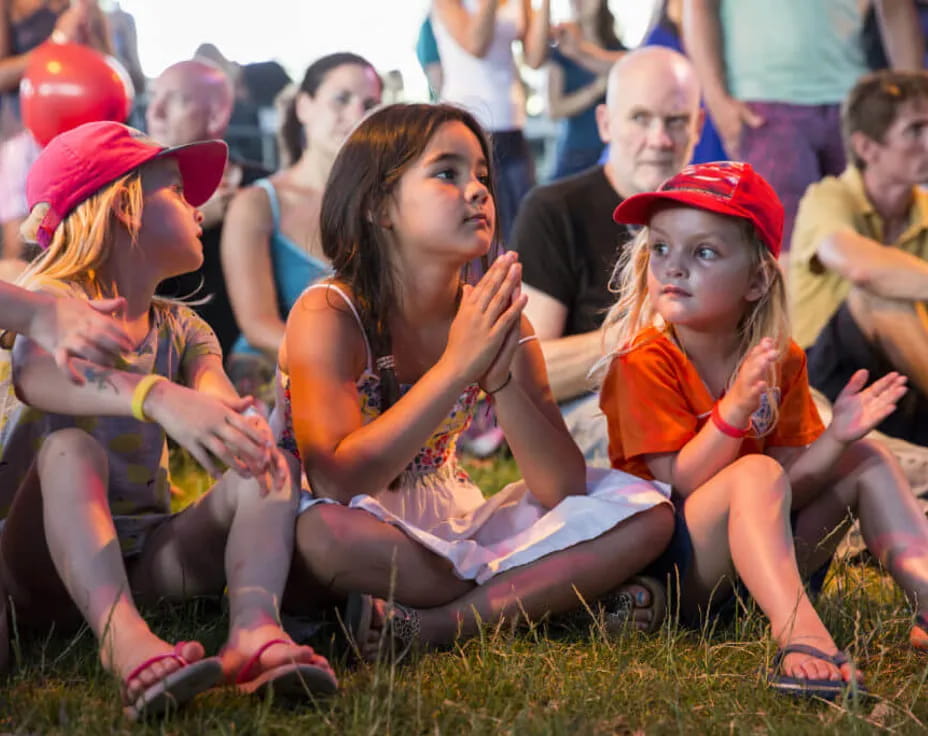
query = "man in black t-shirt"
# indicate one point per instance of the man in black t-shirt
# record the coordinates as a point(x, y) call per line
point(565, 236)
point(192, 101)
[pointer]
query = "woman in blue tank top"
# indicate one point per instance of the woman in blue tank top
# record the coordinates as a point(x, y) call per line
point(270, 240)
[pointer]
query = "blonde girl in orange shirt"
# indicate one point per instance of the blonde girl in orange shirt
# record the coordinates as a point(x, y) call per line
point(719, 408)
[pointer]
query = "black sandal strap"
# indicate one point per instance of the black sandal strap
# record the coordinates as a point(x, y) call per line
point(837, 659)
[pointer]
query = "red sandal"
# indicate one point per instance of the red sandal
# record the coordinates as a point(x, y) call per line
point(291, 680)
point(175, 688)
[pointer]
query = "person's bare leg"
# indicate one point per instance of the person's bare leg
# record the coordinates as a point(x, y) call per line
point(900, 328)
point(552, 584)
point(78, 533)
point(868, 482)
point(232, 536)
point(345, 550)
point(349, 550)
point(741, 517)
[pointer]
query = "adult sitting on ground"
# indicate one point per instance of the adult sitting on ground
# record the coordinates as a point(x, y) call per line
point(270, 246)
point(566, 238)
point(859, 272)
point(192, 101)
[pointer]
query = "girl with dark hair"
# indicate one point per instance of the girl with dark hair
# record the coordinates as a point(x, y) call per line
point(270, 242)
point(574, 90)
point(380, 372)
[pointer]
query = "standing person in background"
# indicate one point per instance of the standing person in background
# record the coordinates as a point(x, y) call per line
point(475, 40)
point(668, 31)
point(429, 58)
point(126, 45)
point(574, 91)
point(774, 75)
point(24, 24)
point(270, 243)
point(192, 101)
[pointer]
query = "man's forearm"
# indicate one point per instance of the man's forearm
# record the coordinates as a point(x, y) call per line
point(569, 360)
point(882, 270)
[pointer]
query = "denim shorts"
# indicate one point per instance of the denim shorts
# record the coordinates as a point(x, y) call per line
point(673, 565)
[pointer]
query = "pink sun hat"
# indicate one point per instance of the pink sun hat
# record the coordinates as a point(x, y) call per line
point(79, 162)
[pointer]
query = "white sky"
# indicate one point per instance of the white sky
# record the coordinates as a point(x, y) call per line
point(296, 32)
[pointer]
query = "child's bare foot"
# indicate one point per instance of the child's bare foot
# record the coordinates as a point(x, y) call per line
point(155, 675)
point(801, 669)
point(641, 601)
point(366, 618)
point(808, 666)
point(263, 658)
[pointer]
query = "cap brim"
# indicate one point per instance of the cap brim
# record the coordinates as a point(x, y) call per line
point(638, 209)
point(201, 167)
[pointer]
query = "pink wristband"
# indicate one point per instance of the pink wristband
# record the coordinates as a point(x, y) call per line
point(725, 428)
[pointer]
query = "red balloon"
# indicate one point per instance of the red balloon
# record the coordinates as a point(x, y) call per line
point(67, 84)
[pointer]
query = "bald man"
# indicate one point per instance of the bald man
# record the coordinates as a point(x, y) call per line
point(565, 236)
point(192, 101)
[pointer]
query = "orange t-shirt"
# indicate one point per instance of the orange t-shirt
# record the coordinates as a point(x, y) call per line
point(655, 401)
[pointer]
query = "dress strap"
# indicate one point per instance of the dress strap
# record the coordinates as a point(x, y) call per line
point(354, 311)
point(268, 188)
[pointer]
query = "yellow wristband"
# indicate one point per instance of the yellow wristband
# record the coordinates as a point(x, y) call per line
point(142, 389)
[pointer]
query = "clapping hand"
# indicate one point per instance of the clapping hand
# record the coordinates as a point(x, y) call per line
point(743, 398)
point(857, 410)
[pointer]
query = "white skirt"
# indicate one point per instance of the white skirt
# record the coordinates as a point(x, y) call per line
point(511, 528)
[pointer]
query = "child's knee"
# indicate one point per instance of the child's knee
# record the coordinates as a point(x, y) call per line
point(70, 443)
point(322, 533)
point(867, 450)
point(660, 523)
point(867, 454)
point(760, 475)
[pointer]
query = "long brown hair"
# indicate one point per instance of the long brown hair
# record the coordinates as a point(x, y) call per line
point(366, 170)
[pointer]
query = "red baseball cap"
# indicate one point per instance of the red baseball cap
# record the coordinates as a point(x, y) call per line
point(726, 187)
point(81, 161)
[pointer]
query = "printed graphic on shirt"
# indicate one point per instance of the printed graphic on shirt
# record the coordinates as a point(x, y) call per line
point(762, 419)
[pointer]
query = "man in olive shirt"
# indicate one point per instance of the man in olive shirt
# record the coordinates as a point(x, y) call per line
point(859, 267)
point(567, 241)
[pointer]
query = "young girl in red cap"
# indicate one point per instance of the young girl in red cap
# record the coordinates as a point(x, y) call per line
point(88, 524)
point(380, 373)
point(707, 392)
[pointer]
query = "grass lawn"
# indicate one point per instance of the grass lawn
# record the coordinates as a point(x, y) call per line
point(530, 681)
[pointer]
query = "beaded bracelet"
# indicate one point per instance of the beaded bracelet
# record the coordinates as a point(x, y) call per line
point(142, 389)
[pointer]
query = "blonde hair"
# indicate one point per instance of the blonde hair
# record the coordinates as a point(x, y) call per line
point(633, 312)
point(82, 241)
